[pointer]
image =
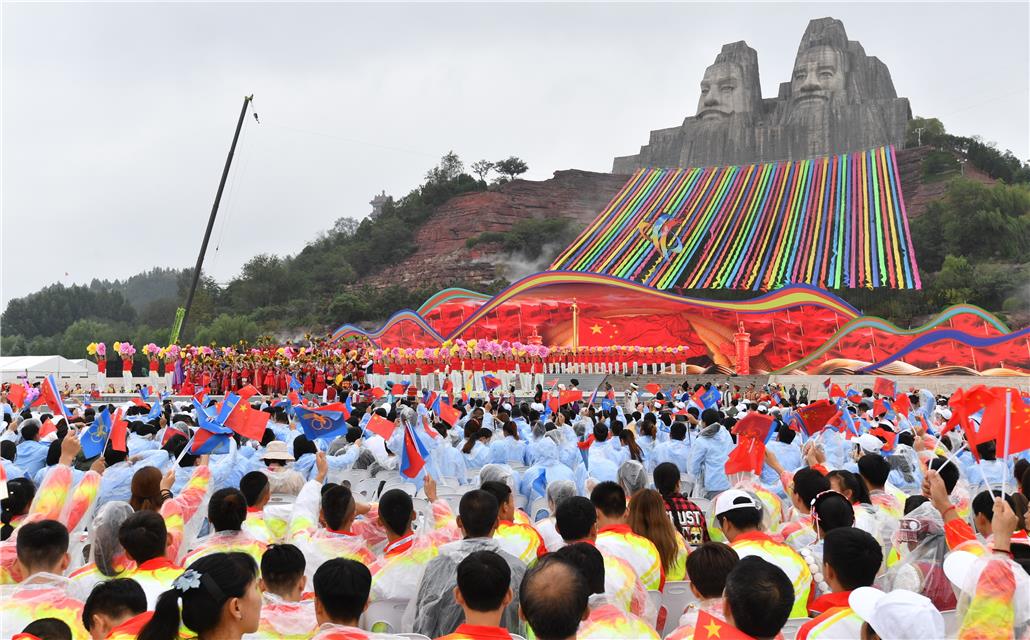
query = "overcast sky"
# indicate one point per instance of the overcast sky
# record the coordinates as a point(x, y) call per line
point(117, 117)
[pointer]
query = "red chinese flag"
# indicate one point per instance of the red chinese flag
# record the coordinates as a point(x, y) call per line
point(815, 417)
point(246, 392)
point(748, 455)
point(836, 391)
point(885, 387)
point(16, 395)
point(903, 406)
point(248, 421)
point(709, 627)
point(753, 425)
point(47, 428)
point(887, 435)
point(119, 432)
point(570, 395)
point(449, 414)
point(377, 392)
point(879, 408)
point(653, 388)
point(381, 426)
point(398, 389)
point(994, 421)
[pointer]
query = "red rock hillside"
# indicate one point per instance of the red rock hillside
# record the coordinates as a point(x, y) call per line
point(443, 258)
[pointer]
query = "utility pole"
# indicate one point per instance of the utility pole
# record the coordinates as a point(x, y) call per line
point(919, 136)
point(185, 311)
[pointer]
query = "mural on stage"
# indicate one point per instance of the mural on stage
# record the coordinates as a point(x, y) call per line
point(794, 329)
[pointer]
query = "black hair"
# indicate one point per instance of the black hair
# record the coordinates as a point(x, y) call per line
point(760, 597)
point(609, 498)
point(553, 597)
point(227, 509)
point(808, 483)
point(914, 502)
point(302, 445)
point(600, 432)
point(337, 506)
point(666, 475)
point(906, 438)
point(342, 586)
point(254, 486)
point(115, 598)
point(49, 629)
point(20, 493)
point(947, 470)
point(175, 445)
point(483, 579)
point(874, 468)
point(222, 576)
point(282, 565)
point(832, 511)
point(53, 453)
point(589, 561)
point(854, 555)
point(395, 508)
point(498, 489)
point(29, 431)
point(8, 450)
point(987, 450)
point(574, 518)
point(852, 483)
point(785, 434)
point(678, 431)
point(41, 544)
point(144, 536)
point(982, 504)
point(267, 436)
point(710, 416)
point(709, 565)
point(478, 511)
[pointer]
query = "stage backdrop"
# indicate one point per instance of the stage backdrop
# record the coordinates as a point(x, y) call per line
point(836, 222)
point(797, 328)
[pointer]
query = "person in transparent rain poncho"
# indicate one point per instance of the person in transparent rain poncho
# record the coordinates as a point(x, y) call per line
point(921, 546)
point(107, 558)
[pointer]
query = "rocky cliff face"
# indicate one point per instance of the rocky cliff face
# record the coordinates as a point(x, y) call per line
point(443, 258)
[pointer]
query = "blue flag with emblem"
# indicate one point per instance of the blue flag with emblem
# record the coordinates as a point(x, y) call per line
point(94, 437)
point(317, 422)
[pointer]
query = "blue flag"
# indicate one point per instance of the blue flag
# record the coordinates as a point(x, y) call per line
point(94, 437)
point(711, 398)
point(317, 423)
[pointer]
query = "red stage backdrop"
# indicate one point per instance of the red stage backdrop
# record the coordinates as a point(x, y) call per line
point(796, 328)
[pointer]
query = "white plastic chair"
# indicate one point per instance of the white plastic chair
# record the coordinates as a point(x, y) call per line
point(407, 487)
point(423, 513)
point(384, 616)
point(790, 629)
point(655, 597)
point(675, 598)
point(369, 488)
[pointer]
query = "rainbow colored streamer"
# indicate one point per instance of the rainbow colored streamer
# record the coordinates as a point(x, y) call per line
point(835, 222)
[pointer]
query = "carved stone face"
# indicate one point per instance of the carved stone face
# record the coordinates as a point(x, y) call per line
point(722, 92)
point(818, 77)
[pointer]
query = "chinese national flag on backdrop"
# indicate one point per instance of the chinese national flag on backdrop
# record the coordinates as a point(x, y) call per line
point(602, 332)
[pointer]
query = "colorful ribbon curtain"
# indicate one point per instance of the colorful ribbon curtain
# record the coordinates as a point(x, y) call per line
point(835, 222)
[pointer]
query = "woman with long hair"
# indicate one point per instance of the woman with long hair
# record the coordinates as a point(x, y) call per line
point(647, 518)
point(220, 597)
point(629, 441)
point(150, 489)
point(476, 447)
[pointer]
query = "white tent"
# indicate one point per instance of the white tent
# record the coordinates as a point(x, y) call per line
point(35, 368)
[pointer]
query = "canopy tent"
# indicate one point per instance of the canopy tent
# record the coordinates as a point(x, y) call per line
point(36, 368)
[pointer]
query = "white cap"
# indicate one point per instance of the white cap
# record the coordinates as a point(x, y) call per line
point(741, 407)
point(763, 408)
point(869, 443)
point(897, 615)
point(733, 499)
point(944, 412)
point(537, 406)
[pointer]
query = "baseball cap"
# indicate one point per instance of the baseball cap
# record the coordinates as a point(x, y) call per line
point(898, 614)
point(734, 499)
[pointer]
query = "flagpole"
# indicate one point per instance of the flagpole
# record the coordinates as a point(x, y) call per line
point(575, 325)
point(1008, 433)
